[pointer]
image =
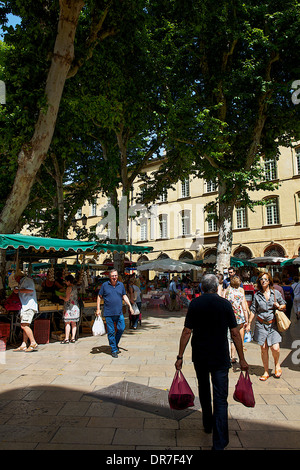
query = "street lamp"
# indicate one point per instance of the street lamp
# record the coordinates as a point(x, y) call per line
point(83, 221)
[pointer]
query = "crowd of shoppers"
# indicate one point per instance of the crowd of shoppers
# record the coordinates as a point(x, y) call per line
point(219, 313)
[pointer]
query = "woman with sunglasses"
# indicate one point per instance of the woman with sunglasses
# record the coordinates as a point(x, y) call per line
point(265, 301)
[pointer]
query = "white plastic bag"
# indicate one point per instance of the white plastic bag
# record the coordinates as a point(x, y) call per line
point(135, 309)
point(98, 327)
point(247, 337)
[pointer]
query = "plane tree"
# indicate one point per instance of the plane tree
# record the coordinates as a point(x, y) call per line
point(227, 81)
point(51, 44)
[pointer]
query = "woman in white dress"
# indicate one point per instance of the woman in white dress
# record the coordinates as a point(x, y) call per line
point(71, 314)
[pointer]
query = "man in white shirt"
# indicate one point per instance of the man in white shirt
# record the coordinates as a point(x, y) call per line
point(27, 295)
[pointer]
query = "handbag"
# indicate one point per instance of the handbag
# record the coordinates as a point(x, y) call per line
point(283, 322)
point(180, 395)
point(243, 392)
point(98, 327)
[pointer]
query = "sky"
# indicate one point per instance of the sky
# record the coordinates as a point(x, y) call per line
point(12, 21)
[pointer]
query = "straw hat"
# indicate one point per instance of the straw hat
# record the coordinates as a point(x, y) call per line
point(12, 283)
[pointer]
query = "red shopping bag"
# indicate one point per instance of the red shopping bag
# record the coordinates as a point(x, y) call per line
point(180, 394)
point(243, 391)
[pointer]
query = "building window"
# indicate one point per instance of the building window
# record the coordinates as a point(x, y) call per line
point(210, 256)
point(298, 161)
point(163, 226)
point(94, 209)
point(242, 252)
point(241, 217)
point(141, 193)
point(272, 212)
point(212, 221)
point(270, 169)
point(274, 250)
point(164, 196)
point(185, 221)
point(297, 196)
point(144, 229)
point(185, 188)
point(186, 255)
point(211, 186)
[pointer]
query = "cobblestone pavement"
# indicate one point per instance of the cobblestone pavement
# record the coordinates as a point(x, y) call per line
point(76, 396)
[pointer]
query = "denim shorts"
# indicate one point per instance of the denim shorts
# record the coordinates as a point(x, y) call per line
point(27, 316)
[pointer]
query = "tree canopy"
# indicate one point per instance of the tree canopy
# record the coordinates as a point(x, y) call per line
point(96, 87)
point(228, 94)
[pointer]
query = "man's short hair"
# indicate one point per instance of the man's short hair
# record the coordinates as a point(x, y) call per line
point(113, 270)
point(209, 283)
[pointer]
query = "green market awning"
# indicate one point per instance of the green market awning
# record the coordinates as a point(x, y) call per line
point(42, 247)
point(290, 262)
point(111, 248)
point(236, 262)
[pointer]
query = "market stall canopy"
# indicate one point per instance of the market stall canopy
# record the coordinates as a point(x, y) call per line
point(267, 260)
point(42, 247)
point(236, 262)
point(111, 248)
point(289, 262)
point(167, 265)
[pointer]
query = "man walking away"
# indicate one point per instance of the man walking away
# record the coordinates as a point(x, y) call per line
point(208, 318)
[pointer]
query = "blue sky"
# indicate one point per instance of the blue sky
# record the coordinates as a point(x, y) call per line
point(12, 21)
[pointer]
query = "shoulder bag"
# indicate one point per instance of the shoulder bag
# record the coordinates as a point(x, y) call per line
point(283, 323)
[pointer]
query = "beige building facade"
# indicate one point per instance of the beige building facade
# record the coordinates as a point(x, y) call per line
point(177, 224)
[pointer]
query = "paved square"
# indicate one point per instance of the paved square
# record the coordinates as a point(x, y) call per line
point(77, 396)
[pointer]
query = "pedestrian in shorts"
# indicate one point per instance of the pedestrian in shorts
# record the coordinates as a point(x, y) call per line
point(27, 295)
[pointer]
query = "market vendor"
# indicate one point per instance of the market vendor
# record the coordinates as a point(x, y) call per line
point(50, 285)
point(27, 296)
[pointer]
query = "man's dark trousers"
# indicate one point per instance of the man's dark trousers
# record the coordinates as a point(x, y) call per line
point(215, 419)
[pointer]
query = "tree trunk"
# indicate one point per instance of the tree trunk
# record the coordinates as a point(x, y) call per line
point(224, 246)
point(34, 152)
point(58, 176)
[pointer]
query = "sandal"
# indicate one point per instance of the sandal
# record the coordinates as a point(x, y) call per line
point(65, 341)
point(278, 374)
point(73, 341)
point(31, 348)
point(264, 377)
point(20, 349)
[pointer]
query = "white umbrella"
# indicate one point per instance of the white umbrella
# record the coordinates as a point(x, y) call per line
point(267, 260)
point(168, 265)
